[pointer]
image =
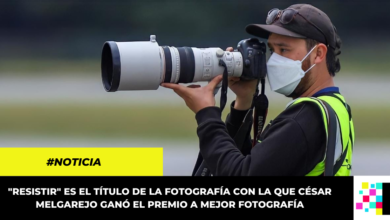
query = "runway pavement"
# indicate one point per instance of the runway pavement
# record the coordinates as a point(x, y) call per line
point(179, 157)
point(370, 157)
point(359, 90)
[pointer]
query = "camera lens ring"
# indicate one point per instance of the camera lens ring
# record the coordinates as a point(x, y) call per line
point(175, 65)
point(111, 66)
point(168, 64)
point(187, 64)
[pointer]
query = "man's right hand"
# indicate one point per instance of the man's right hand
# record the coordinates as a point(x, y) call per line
point(244, 90)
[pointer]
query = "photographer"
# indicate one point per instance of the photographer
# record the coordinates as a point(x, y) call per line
point(304, 46)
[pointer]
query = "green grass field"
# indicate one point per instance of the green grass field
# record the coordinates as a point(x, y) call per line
point(130, 122)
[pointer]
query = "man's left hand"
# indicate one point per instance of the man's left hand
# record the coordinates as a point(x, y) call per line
point(195, 96)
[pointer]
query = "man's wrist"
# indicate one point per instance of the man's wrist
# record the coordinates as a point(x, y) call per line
point(242, 103)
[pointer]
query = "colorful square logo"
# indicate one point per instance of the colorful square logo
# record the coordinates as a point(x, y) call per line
point(371, 197)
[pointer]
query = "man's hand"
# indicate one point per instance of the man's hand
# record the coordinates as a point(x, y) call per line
point(195, 96)
point(244, 90)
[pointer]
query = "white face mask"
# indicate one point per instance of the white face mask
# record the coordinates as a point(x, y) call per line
point(284, 74)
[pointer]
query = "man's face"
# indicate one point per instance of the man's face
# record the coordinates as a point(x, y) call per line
point(295, 49)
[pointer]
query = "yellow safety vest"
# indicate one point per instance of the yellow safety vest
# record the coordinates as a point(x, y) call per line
point(345, 138)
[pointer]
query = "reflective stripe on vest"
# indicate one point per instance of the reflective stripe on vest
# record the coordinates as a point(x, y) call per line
point(345, 137)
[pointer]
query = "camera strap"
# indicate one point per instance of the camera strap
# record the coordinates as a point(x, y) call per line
point(261, 110)
point(224, 88)
point(243, 130)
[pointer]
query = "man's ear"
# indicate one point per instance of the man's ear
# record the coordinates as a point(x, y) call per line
point(320, 54)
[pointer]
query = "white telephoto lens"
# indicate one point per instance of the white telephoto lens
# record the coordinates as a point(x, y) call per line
point(144, 65)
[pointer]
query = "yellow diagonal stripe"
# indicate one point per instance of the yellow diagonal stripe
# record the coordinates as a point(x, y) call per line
point(113, 161)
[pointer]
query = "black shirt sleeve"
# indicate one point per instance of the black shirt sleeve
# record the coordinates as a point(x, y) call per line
point(234, 122)
point(292, 145)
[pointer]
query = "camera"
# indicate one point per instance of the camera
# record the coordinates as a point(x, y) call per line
point(144, 65)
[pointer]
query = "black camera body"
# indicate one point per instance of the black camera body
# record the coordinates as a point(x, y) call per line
point(254, 58)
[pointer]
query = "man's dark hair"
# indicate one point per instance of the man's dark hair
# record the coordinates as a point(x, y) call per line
point(332, 61)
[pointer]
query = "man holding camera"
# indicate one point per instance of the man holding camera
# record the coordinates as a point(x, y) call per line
point(304, 45)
